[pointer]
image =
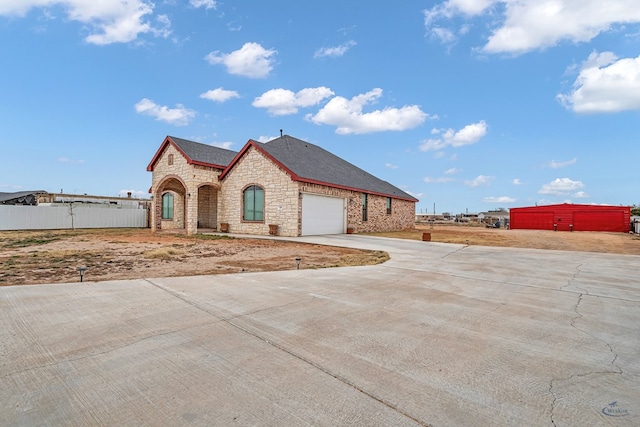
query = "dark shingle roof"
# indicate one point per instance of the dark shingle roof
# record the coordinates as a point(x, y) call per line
point(203, 153)
point(20, 197)
point(313, 163)
point(304, 160)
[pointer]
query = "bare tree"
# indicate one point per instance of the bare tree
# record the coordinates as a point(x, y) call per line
point(71, 214)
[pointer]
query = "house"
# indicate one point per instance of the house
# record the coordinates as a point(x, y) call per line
point(498, 217)
point(285, 186)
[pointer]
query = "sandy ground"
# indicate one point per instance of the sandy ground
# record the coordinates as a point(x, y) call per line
point(30, 257)
point(584, 241)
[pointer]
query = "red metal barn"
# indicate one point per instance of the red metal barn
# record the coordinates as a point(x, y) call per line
point(570, 217)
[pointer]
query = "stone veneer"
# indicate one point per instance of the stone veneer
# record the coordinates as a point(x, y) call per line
point(186, 195)
point(200, 200)
point(281, 197)
point(402, 211)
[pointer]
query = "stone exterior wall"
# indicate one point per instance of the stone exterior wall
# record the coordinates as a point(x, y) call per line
point(281, 196)
point(178, 220)
point(207, 207)
point(402, 212)
point(200, 200)
point(191, 177)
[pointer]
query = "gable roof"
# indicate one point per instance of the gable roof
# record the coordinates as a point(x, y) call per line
point(196, 153)
point(307, 162)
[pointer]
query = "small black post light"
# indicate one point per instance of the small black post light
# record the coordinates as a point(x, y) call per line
point(298, 259)
point(82, 270)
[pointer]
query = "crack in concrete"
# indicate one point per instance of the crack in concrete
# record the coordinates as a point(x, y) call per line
point(617, 371)
point(454, 252)
point(300, 357)
point(571, 279)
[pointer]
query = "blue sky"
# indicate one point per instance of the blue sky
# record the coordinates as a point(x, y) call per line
point(470, 105)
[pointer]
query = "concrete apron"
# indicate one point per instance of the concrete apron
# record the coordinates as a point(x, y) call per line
point(439, 335)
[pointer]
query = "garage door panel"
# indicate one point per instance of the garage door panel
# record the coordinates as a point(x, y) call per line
point(532, 220)
point(600, 221)
point(322, 215)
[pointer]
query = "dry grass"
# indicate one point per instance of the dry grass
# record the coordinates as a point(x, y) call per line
point(163, 253)
point(367, 258)
point(31, 257)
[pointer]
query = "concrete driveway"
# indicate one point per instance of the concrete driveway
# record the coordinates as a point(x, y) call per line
point(443, 335)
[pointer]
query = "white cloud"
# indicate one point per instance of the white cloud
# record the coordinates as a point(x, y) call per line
point(557, 165)
point(347, 115)
point(335, 51)
point(452, 171)
point(470, 134)
point(479, 180)
point(251, 60)
point(445, 35)
point(440, 180)
point(581, 195)
point(450, 8)
point(526, 25)
point(502, 199)
point(281, 102)
point(108, 21)
point(219, 95)
point(226, 145)
point(70, 161)
point(516, 181)
point(605, 84)
point(179, 116)
point(390, 166)
point(207, 4)
point(264, 138)
point(561, 187)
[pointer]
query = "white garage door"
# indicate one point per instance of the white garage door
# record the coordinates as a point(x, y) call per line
point(322, 215)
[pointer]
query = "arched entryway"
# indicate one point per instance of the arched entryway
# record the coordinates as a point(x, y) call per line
point(170, 205)
point(207, 207)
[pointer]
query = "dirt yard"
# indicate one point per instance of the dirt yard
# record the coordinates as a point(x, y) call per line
point(30, 257)
point(585, 241)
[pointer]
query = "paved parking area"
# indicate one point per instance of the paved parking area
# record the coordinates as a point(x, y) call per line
point(443, 335)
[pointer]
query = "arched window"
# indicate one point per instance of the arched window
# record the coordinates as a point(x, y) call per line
point(253, 204)
point(170, 159)
point(167, 206)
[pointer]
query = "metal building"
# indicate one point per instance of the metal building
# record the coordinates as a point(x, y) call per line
point(572, 217)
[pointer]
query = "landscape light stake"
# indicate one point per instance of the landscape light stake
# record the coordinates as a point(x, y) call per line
point(298, 262)
point(82, 270)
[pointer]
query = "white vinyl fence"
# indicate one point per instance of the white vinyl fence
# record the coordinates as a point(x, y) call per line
point(69, 216)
